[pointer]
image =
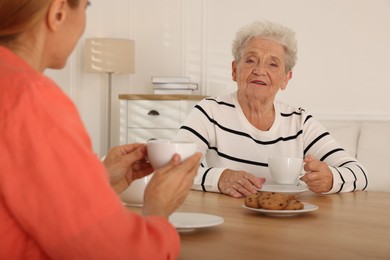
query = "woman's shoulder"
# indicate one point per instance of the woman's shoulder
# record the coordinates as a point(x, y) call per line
point(219, 101)
point(17, 73)
point(287, 109)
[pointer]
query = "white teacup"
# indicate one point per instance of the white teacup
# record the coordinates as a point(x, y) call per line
point(285, 170)
point(161, 151)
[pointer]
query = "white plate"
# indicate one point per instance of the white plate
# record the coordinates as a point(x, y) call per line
point(184, 221)
point(286, 189)
point(307, 207)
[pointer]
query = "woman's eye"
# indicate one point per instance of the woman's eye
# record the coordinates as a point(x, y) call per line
point(250, 61)
point(274, 65)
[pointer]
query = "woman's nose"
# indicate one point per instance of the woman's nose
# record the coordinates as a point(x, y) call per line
point(258, 71)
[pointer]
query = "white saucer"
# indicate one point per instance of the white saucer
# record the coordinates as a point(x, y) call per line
point(185, 221)
point(285, 213)
point(284, 188)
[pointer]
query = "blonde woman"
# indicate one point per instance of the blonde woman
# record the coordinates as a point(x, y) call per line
point(56, 201)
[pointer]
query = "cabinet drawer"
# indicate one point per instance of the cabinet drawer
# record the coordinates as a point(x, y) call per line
point(141, 135)
point(154, 114)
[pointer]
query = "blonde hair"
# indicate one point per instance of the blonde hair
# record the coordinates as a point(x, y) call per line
point(17, 16)
point(270, 31)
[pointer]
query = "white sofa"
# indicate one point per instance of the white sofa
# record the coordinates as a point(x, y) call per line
point(369, 142)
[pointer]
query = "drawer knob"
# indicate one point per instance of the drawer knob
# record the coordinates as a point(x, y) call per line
point(153, 113)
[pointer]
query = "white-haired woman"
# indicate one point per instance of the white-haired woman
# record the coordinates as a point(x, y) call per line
point(237, 133)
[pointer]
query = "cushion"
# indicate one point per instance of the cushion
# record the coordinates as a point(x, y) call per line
point(374, 152)
point(345, 133)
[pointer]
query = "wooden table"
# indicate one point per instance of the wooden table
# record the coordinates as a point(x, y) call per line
point(346, 226)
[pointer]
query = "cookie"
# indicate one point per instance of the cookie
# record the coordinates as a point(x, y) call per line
point(294, 204)
point(293, 197)
point(252, 201)
point(264, 194)
point(273, 201)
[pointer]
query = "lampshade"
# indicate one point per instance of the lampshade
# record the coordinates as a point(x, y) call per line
point(109, 55)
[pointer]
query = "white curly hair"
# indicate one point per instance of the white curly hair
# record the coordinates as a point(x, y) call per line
point(270, 31)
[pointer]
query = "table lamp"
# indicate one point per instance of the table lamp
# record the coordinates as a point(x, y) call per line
point(109, 56)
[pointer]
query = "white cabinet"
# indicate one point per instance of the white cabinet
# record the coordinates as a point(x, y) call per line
point(143, 117)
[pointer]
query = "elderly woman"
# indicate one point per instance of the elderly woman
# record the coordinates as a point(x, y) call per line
point(56, 201)
point(239, 132)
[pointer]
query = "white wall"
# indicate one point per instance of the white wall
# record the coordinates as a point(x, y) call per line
point(89, 91)
point(343, 53)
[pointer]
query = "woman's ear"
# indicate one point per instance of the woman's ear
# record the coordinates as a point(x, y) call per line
point(234, 71)
point(286, 80)
point(56, 14)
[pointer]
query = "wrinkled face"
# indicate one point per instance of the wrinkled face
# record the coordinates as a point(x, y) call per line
point(261, 71)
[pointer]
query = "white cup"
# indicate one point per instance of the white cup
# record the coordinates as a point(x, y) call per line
point(134, 194)
point(285, 170)
point(160, 152)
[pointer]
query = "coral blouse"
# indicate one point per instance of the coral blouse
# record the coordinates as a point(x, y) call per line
point(55, 198)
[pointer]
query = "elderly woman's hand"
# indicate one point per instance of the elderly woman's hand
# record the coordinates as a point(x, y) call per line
point(239, 183)
point(319, 177)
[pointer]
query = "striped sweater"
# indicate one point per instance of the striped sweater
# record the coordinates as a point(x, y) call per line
point(229, 141)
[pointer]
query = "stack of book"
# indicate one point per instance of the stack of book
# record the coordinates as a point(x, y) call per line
point(173, 85)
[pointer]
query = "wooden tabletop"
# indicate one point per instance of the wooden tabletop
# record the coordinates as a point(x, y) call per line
point(346, 226)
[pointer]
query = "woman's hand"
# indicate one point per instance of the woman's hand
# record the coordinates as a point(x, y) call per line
point(319, 177)
point(239, 183)
point(126, 163)
point(170, 185)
